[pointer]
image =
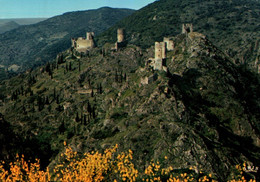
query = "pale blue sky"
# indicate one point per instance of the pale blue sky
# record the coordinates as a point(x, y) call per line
point(49, 8)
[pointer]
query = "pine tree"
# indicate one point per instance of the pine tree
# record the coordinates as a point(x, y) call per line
point(92, 93)
point(89, 108)
point(116, 77)
point(85, 120)
point(62, 127)
point(70, 67)
point(77, 118)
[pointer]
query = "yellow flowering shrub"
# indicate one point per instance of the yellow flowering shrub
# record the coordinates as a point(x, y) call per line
point(95, 166)
point(20, 170)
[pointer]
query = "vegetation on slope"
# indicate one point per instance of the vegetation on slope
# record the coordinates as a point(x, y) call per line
point(108, 166)
point(202, 112)
point(8, 26)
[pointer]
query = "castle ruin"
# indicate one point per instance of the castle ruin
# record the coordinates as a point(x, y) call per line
point(120, 39)
point(187, 28)
point(158, 62)
point(82, 44)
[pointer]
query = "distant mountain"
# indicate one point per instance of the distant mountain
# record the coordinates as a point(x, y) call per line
point(32, 45)
point(234, 26)
point(23, 21)
point(8, 26)
point(28, 21)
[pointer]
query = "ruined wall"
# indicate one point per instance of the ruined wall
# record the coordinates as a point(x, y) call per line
point(82, 44)
point(187, 28)
point(73, 42)
point(169, 43)
point(90, 35)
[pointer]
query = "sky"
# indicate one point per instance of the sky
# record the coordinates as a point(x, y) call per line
point(49, 8)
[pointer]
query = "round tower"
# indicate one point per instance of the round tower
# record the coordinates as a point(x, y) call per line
point(120, 35)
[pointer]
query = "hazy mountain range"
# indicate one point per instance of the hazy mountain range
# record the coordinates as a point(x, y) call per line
point(10, 24)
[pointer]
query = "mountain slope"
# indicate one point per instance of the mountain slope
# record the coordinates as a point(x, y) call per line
point(36, 44)
point(8, 26)
point(232, 25)
point(203, 112)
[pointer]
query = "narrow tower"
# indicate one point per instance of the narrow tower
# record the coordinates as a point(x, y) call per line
point(120, 35)
point(120, 39)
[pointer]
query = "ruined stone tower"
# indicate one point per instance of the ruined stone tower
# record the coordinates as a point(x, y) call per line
point(90, 35)
point(169, 43)
point(187, 28)
point(160, 55)
point(120, 35)
point(120, 39)
point(160, 50)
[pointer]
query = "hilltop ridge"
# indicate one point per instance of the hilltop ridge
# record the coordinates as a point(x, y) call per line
point(232, 25)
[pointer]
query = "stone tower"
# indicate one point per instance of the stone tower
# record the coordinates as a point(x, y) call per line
point(90, 35)
point(160, 55)
point(120, 35)
point(120, 39)
point(160, 50)
point(187, 28)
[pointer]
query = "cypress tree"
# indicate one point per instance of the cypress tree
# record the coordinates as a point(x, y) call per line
point(77, 117)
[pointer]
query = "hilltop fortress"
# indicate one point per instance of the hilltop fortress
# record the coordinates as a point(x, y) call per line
point(82, 44)
point(160, 49)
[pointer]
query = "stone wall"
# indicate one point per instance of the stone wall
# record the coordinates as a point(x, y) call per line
point(187, 28)
point(82, 44)
point(169, 43)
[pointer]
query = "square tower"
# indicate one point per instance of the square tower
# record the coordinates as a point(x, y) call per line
point(160, 50)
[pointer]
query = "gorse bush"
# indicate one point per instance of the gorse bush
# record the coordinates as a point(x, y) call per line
point(95, 166)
